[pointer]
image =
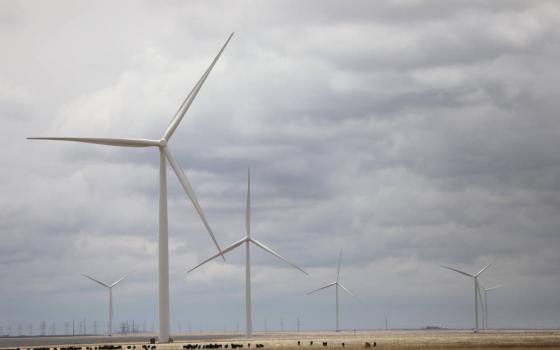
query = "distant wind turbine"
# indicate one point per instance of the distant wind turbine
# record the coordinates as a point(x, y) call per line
point(246, 240)
point(476, 291)
point(337, 284)
point(110, 288)
point(485, 303)
point(164, 154)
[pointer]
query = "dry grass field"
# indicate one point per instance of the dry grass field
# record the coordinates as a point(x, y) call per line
point(440, 339)
point(410, 340)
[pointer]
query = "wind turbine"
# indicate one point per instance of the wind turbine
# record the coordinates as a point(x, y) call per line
point(110, 287)
point(485, 303)
point(337, 284)
point(164, 153)
point(476, 291)
point(247, 240)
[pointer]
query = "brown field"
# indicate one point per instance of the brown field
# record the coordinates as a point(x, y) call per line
point(418, 339)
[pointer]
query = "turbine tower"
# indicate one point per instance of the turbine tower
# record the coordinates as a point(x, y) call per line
point(110, 288)
point(476, 291)
point(247, 240)
point(337, 284)
point(164, 154)
point(485, 303)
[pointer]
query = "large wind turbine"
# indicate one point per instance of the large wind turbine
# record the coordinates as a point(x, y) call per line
point(485, 303)
point(246, 240)
point(110, 287)
point(476, 291)
point(337, 284)
point(164, 153)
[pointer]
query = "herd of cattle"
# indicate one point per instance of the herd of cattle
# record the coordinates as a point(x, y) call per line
point(185, 347)
point(218, 346)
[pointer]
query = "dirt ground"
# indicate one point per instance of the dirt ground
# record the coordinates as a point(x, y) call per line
point(413, 339)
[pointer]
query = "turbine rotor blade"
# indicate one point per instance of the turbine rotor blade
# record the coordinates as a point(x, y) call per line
point(482, 270)
point(120, 279)
point(231, 247)
point(459, 271)
point(104, 141)
point(96, 281)
point(248, 208)
point(190, 98)
point(346, 290)
point(338, 268)
point(269, 250)
point(494, 287)
point(318, 289)
point(190, 193)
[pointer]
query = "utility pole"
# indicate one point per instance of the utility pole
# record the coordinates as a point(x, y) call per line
point(386, 323)
point(281, 325)
point(298, 324)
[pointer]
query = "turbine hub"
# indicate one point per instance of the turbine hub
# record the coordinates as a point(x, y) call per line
point(162, 142)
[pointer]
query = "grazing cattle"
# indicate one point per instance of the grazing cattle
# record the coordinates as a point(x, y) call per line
point(260, 345)
point(343, 345)
point(311, 342)
point(367, 345)
point(374, 344)
point(324, 343)
point(298, 343)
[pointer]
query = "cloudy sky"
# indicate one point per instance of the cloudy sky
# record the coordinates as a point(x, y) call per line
point(407, 133)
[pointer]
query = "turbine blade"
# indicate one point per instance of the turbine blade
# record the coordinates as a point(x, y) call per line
point(231, 247)
point(461, 272)
point(482, 270)
point(318, 289)
point(248, 208)
point(104, 141)
point(190, 193)
point(494, 287)
point(94, 280)
point(120, 279)
point(346, 290)
point(338, 268)
point(264, 247)
point(190, 98)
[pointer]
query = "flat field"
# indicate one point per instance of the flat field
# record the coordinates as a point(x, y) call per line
point(405, 339)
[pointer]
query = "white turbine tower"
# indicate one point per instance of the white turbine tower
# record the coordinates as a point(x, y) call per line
point(247, 240)
point(164, 153)
point(476, 289)
point(485, 303)
point(110, 288)
point(337, 284)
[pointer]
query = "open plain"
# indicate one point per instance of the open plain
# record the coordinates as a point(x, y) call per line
point(399, 339)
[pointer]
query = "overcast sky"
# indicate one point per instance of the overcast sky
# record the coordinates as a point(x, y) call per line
point(407, 133)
